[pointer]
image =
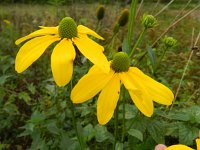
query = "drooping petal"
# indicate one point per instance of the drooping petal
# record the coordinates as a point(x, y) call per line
point(85, 30)
point(31, 51)
point(107, 100)
point(89, 85)
point(93, 52)
point(198, 143)
point(40, 32)
point(126, 80)
point(140, 97)
point(62, 59)
point(158, 92)
point(178, 147)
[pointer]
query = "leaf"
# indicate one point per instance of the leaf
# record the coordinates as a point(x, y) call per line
point(4, 78)
point(52, 127)
point(65, 141)
point(130, 111)
point(152, 56)
point(24, 96)
point(136, 133)
point(37, 117)
point(101, 133)
point(125, 47)
point(187, 134)
point(88, 132)
point(119, 146)
point(156, 130)
point(31, 88)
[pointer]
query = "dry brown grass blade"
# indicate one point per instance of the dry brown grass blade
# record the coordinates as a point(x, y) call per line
point(173, 24)
point(186, 67)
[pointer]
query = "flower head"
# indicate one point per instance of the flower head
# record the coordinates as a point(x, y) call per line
point(68, 34)
point(142, 89)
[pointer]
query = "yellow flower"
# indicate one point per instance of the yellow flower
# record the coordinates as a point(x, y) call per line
point(68, 34)
point(183, 147)
point(142, 89)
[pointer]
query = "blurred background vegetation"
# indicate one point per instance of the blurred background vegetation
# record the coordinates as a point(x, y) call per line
point(34, 113)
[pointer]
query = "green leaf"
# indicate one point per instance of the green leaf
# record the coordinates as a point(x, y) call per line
point(24, 96)
point(119, 146)
point(37, 117)
point(4, 78)
point(88, 132)
point(136, 133)
point(187, 134)
point(130, 111)
point(152, 56)
point(101, 133)
point(65, 142)
point(157, 130)
point(31, 88)
point(52, 127)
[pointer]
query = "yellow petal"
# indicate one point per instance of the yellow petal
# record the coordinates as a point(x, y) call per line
point(158, 92)
point(31, 51)
point(93, 52)
point(89, 85)
point(126, 80)
point(141, 99)
point(43, 31)
point(107, 100)
point(62, 59)
point(198, 144)
point(84, 30)
point(178, 147)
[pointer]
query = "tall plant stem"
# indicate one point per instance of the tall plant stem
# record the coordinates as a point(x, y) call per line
point(116, 126)
point(138, 42)
point(131, 22)
point(123, 111)
point(74, 120)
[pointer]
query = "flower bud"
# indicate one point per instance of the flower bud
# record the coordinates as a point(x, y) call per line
point(123, 18)
point(149, 21)
point(100, 12)
point(169, 41)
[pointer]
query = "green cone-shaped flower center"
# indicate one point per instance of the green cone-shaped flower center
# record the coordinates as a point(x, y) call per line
point(120, 62)
point(67, 28)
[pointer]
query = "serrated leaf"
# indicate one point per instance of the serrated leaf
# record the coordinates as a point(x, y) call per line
point(187, 134)
point(101, 133)
point(31, 88)
point(130, 111)
point(37, 117)
point(4, 78)
point(88, 132)
point(24, 96)
point(156, 130)
point(136, 133)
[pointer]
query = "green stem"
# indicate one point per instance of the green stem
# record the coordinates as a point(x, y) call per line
point(160, 60)
point(74, 120)
point(123, 111)
point(138, 42)
point(131, 22)
point(116, 126)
